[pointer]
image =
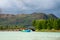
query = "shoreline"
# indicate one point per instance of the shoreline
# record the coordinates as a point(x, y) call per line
point(47, 30)
point(32, 31)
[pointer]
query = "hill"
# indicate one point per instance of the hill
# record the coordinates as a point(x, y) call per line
point(23, 19)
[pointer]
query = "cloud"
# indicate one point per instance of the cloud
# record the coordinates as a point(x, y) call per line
point(4, 4)
point(40, 4)
point(29, 6)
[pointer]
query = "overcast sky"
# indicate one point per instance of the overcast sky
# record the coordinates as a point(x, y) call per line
point(29, 6)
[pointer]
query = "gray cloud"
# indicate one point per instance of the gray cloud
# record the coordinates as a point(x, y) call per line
point(29, 6)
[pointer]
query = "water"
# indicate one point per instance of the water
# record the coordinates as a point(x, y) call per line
point(29, 35)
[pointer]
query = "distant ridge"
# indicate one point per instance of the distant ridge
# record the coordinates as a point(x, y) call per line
point(23, 19)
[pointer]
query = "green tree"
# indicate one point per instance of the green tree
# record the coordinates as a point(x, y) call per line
point(34, 22)
point(50, 24)
point(40, 24)
point(58, 24)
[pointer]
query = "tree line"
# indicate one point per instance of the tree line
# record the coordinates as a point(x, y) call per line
point(12, 27)
point(46, 24)
point(38, 24)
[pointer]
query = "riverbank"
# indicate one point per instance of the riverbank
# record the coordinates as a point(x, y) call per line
point(45, 30)
point(42, 30)
point(33, 31)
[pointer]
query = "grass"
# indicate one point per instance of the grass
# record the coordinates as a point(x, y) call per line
point(46, 30)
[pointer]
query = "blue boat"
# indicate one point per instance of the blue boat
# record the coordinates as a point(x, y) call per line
point(28, 30)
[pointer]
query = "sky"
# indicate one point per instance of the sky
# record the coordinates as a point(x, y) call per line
point(30, 6)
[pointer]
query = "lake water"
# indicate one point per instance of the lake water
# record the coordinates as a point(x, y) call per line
point(29, 35)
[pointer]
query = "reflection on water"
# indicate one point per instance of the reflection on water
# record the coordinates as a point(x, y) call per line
point(29, 36)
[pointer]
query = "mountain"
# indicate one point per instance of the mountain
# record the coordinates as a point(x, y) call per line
point(23, 19)
point(52, 16)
